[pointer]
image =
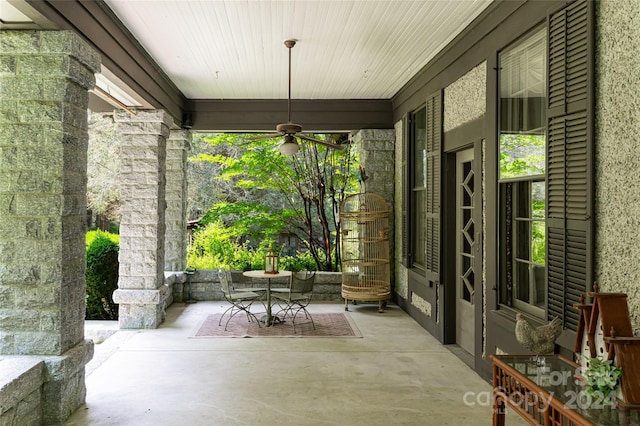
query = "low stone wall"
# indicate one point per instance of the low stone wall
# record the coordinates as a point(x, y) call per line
point(205, 285)
point(21, 382)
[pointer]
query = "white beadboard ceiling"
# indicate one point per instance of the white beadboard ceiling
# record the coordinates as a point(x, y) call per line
point(346, 49)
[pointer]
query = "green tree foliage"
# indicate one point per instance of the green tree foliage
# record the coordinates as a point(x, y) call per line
point(203, 190)
point(538, 234)
point(252, 220)
point(215, 246)
point(101, 275)
point(521, 155)
point(271, 193)
point(103, 167)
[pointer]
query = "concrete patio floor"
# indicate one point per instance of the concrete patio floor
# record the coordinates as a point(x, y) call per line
point(397, 374)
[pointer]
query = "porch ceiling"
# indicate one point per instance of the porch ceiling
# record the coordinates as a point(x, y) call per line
point(221, 50)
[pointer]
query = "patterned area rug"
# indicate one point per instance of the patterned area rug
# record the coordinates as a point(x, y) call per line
point(327, 325)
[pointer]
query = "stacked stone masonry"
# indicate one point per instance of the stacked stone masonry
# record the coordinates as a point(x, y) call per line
point(176, 196)
point(44, 81)
point(21, 382)
point(141, 294)
point(205, 285)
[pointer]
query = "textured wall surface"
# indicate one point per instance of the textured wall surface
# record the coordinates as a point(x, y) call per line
point(401, 276)
point(484, 248)
point(21, 380)
point(141, 294)
point(44, 81)
point(465, 100)
point(618, 150)
point(43, 161)
point(175, 244)
point(423, 305)
point(376, 150)
point(205, 285)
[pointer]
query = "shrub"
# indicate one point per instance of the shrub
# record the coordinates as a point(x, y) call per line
point(92, 235)
point(102, 275)
point(213, 247)
point(300, 262)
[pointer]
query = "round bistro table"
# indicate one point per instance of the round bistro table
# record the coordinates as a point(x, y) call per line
point(262, 275)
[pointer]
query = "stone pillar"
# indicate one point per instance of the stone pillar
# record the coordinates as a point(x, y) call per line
point(376, 148)
point(141, 293)
point(44, 82)
point(175, 245)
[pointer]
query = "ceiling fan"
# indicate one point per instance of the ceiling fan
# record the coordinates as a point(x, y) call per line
point(290, 130)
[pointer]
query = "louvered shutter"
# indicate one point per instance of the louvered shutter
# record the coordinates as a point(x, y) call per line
point(406, 195)
point(433, 193)
point(569, 160)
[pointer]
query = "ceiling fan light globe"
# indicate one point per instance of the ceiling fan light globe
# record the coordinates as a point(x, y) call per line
point(289, 148)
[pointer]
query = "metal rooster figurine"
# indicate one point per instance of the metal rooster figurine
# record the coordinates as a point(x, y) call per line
point(539, 340)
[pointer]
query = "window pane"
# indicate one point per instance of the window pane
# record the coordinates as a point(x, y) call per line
point(419, 158)
point(522, 282)
point(419, 148)
point(538, 295)
point(419, 246)
point(521, 155)
point(530, 285)
point(538, 194)
point(523, 99)
point(523, 241)
point(538, 243)
point(529, 233)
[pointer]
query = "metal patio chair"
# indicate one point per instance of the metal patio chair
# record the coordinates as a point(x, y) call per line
point(240, 300)
point(296, 297)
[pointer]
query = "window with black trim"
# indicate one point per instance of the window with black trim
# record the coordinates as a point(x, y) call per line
point(418, 157)
point(522, 172)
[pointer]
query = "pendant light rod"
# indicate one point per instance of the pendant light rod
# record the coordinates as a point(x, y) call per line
point(289, 44)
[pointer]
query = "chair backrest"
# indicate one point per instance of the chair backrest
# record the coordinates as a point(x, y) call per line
point(302, 282)
point(225, 281)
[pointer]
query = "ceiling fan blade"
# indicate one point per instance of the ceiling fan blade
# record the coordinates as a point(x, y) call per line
point(321, 142)
point(267, 136)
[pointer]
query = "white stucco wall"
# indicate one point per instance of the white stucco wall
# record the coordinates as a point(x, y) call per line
point(466, 100)
point(401, 284)
point(421, 304)
point(617, 207)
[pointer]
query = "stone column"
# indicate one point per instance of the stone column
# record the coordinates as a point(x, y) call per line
point(376, 148)
point(175, 245)
point(141, 293)
point(44, 82)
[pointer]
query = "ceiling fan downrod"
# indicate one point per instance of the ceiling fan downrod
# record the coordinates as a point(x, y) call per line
point(291, 131)
point(289, 44)
point(289, 127)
